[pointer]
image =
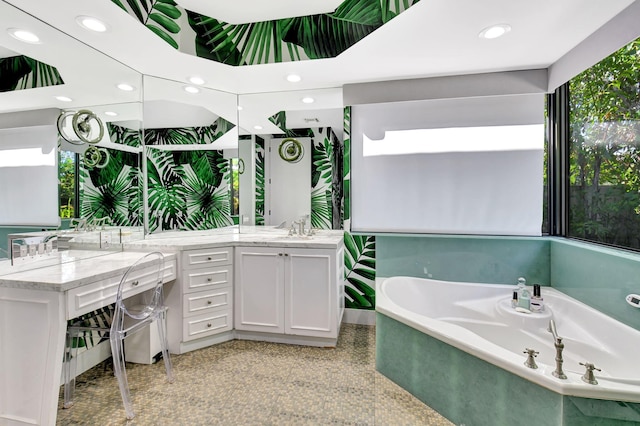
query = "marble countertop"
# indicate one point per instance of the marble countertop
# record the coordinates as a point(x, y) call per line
point(68, 275)
point(250, 236)
point(75, 268)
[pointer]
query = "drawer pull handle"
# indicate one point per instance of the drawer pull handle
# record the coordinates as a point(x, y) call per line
point(279, 254)
point(208, 302)
point(135, 283)
point(209, 279)
point(208, 325)
point(209, 258)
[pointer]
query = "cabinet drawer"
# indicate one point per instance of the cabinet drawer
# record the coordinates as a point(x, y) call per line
point(208, 301)
point(210, 256)
point(199, 279)
point(82, 300)
point(206, 324)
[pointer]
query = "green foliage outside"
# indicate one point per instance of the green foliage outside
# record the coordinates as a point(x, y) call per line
point(605, 144)
point(67, 176)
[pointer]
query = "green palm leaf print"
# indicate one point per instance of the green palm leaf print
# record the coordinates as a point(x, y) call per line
point(360, 264)
point(159, 16)
point(22, 72)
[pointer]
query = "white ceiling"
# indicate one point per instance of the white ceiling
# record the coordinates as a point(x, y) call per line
point(432, 38)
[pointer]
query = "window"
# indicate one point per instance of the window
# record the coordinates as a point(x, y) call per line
point(450, 166)
point(68, 183)
point(234, 187)
point(604, 169)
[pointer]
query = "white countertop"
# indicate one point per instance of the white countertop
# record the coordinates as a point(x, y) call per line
point(250, 236)
point(76, 268)
point(72, 274)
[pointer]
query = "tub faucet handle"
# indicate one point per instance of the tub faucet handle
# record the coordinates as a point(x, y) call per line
point(531, 354)
point(588, 376)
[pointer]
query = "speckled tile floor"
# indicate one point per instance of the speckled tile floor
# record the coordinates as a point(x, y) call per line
point(255, 383)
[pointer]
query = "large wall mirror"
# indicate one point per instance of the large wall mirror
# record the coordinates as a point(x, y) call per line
point(290, 152)
point(191, 145)
point(42, 76)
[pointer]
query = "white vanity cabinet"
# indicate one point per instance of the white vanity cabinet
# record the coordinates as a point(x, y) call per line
point(297, 293)
point(203, 300)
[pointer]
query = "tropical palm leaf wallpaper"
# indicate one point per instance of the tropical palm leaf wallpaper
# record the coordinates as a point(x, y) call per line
point(284, 40)
point(259, 147)
point(346, 171)
point(112, 190)
point(188, 190)
point(360, 250)
point(188, 135)
point(326, 186)
point(360, 271)
point(22, 72)
point(124, 135)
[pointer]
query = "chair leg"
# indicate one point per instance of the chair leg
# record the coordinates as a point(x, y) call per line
point(70, 366)
point(162, 334)
point(117, 351)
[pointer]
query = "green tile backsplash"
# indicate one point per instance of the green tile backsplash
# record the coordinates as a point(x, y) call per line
point(599, 276)
point(498, 260)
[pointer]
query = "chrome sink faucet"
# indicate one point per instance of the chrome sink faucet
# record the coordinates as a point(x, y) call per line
point(557, 340)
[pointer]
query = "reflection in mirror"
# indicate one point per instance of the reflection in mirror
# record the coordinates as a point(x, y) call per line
point(41, 81)
point(191, 145)
point(291, 145)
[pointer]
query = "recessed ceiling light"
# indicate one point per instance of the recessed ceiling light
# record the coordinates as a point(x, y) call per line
point(196, 80)
point(111, 113)
point(293, 78)
point(495, 31)
point(257, 127)
point(64, 98)
point(92, 24)
point(240, 108)
point(191, 89)
point(125, 87)
point(308, 100)
point(24, 35)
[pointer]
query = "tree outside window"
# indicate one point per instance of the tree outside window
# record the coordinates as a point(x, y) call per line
point(67, 176)
point(604, 176)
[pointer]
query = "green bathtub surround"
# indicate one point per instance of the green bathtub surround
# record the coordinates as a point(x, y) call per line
point(596, 412)
point(461, 387)
point(470, 391)
point(481, 259)
point(599, 276)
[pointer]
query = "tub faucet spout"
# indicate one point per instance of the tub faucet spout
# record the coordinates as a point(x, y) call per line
point(557, 341)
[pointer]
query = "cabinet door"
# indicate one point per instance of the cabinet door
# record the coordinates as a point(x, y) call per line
point(259, 294)
point(310, 292)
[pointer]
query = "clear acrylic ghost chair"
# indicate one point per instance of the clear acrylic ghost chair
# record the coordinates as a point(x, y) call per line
point(116, 322)
point(127, 321)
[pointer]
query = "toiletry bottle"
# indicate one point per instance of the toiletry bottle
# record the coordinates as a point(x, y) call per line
point(524, 296)
point(537, 303)
point(514, 300)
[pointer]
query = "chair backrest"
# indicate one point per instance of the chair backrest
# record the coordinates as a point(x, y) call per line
point(151, 265)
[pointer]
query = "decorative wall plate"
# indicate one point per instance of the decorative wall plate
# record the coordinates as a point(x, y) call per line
point(291, 150)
